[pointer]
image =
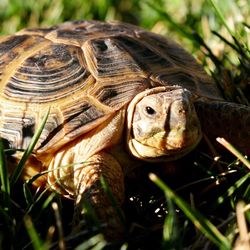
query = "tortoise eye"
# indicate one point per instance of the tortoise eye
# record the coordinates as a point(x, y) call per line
point(150, 111)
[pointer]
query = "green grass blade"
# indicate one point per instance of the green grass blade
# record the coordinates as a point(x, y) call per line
point(233, 188)
point(37, 200)
point(171, 237)
point(235, 36)
point(225, 41)
point(48, 201)
point(112, 200)
point(221, 17)
point(246, 194)
point(35, 239)
point(5, 185)
point(204, 225)
point(84, 214)
point(5, 217)
point(168, 18)
point(27, 194)
point(96, 242)
point(28, 151)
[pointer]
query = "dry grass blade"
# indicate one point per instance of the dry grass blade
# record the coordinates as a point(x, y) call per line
point(243, 241)
point(61, 245)
point(234, 151)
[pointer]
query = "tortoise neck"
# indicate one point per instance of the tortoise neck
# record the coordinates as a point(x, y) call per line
point(225, 119)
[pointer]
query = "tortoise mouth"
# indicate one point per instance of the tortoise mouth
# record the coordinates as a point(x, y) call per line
point(169, 149)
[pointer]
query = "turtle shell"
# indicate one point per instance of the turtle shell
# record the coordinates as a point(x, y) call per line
point(84, 71)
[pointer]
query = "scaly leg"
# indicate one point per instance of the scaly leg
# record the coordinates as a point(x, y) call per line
point(89, 189)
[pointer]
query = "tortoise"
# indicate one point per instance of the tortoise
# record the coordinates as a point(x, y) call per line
point(118, 95)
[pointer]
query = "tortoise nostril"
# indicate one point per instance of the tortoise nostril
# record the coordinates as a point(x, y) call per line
point(182, 111)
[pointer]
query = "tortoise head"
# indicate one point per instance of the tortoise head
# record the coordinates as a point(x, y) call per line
point(162, 124)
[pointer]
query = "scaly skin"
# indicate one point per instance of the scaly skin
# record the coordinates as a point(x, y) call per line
point(228, 120)
point(89, 189)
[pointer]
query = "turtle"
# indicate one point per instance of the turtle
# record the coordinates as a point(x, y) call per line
point(117, 95)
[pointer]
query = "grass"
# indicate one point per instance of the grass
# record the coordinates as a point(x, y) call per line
point(209, 207)
point(204, 225)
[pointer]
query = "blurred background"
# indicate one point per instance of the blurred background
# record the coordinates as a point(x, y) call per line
point(193, 23)
point(16, 14)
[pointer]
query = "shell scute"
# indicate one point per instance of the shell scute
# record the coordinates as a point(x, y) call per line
point(149, 59)
point(78, 32)
point(17, 129)
point(50, 74)
point(185, 67)
point(106, 59)
point(74, 119)
point(37, 31)
point(115, 95)
point(10, 43)
point(78, 116)
point(176, 77)
point(11, 49)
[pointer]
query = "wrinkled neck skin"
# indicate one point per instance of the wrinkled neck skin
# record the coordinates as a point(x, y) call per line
point(225, 119)
point(162, 124)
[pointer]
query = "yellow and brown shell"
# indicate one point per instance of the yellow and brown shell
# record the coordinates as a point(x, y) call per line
point(84, 71)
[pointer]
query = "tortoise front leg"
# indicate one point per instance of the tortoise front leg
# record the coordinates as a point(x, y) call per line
point(89, 189)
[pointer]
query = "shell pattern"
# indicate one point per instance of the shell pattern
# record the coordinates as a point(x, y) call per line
point(84, 71)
